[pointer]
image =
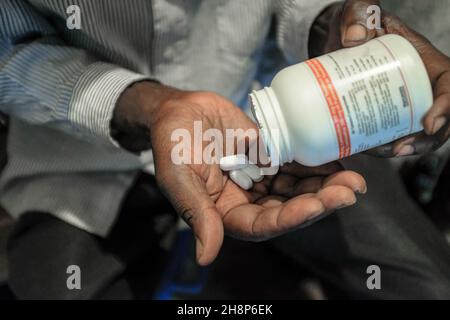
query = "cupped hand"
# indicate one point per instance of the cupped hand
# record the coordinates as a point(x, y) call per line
point(213, 205)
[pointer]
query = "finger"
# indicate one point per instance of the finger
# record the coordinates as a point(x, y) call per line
point(257, 223)
point(392, 149)
point(354, 22)
point(271, 201)
point(283, 184)
point(295, 212)
point(439, 113)
point(384, 151)
point(289, 186)
point(188, 195)
point(287, 182)
point(336, 197)
point(349, 179)
point(292, 214)
point(233, 196)
point(421, 143)
point(305, 186)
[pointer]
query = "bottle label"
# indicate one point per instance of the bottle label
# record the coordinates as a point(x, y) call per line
point(367, 96)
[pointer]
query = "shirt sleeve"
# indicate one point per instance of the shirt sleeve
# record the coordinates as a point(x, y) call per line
point(44, 81)
point(295, 18)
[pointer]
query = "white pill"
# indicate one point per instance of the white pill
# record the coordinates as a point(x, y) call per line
point(234, 162)
point(241, 179)
point(254, 172)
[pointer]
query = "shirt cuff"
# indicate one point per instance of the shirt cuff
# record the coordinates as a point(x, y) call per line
point(297, 18)
point(94, 97)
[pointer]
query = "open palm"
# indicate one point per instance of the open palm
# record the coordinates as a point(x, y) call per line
point(213, 205)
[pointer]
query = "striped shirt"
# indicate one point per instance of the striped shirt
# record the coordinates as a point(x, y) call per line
point(60, 86)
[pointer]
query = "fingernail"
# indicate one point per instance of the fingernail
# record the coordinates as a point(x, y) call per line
point(405, 151)
point(355, 33)
point(362, 191)
point(345, 205)
point(438, 124)
point(316, 214)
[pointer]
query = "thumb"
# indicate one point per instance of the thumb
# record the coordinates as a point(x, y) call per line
point(208, 229)
point(355, 20)
point(187, 192)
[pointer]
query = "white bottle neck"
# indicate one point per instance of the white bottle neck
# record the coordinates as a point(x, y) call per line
point(269, 117)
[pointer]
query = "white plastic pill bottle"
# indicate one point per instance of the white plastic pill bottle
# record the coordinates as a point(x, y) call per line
point(344, 102)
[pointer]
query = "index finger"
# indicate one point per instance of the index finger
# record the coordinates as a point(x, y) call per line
point(357, 20)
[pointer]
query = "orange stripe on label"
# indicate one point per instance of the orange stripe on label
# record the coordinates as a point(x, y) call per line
point(334, 105)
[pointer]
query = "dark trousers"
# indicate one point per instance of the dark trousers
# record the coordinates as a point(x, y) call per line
point(126, 265)
point(385, 228)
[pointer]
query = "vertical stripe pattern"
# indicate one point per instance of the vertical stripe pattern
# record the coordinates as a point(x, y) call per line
point(61, 86)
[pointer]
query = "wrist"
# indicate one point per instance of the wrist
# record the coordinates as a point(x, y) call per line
point(135, 111)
